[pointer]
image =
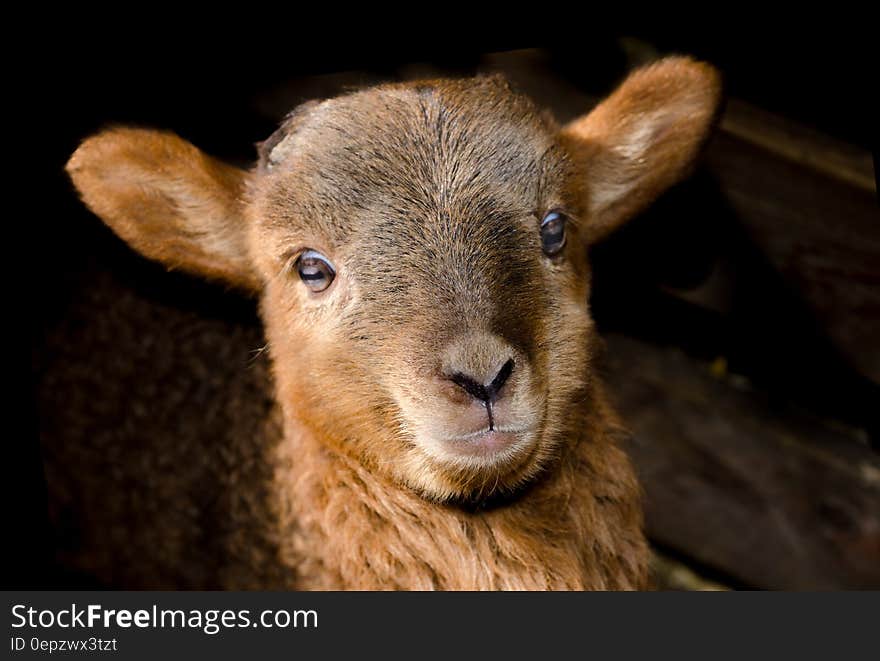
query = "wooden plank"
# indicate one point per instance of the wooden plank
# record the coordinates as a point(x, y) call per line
point(768, 496)
point(820, 233)
point(799, 144)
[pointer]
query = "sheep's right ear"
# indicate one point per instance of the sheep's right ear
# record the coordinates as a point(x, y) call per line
point(167, 200)
point(640, 140)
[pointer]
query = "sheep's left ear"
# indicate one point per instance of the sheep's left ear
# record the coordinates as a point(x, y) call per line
point(640, 140)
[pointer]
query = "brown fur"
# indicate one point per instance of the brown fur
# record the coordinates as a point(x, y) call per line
point(427, 197)
point(158, 435)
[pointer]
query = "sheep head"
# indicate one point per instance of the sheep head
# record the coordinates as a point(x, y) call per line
point(421, 255)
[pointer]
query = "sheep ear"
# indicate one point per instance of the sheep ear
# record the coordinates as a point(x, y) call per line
point(640, 140)
point(167, 200)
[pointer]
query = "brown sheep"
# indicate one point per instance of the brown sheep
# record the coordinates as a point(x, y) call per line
point(420, 255)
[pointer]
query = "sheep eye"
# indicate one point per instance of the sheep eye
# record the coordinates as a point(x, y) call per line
point(315, 270)
point(553, 233)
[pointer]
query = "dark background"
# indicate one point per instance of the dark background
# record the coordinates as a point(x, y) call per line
point(226, 94)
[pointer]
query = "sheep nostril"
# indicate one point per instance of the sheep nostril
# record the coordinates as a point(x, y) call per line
point(486, 393)
point(471, 386)
point(500, 379)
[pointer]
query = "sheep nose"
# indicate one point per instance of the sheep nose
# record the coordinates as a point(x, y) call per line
point(488, 392)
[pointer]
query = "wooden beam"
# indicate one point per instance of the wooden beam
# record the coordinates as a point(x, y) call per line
point(799, 144)
point(819, 232)
point(767, 495)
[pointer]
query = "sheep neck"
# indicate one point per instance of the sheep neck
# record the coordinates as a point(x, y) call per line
point(342, 526)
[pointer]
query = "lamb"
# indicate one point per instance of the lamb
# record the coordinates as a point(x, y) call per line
point(420, 255)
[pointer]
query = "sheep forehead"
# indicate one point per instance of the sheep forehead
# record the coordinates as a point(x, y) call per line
point(417, 152)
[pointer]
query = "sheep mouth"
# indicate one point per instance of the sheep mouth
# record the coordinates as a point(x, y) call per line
point(489, 443)
point(495, 449)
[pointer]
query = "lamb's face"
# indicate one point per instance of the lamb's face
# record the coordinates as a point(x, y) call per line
point(426, 297)
point(420, 253)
